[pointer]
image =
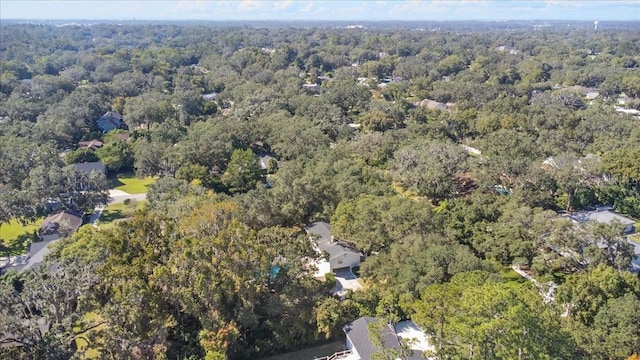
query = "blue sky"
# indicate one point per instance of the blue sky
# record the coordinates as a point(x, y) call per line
point(321, 10)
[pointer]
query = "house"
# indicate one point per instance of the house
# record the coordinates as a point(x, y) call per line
point(264, 162)
point(604, 215)
point(60, 224)
point(93, 144)
point(432, 104)
point(623, 99)
point(312, 88)
point(37, 252)
point(340, 256)
point(111, 120)
point(405, 334)
point(89, 167)
point(635, 262)
point(210, 96)
point(54, 227)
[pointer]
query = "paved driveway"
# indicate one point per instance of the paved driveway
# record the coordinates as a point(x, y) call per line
point(118, 196)
point(345, 281)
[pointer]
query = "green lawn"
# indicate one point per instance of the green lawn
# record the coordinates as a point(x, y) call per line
point(128, 183)
point(114, 212)
point(15, 235)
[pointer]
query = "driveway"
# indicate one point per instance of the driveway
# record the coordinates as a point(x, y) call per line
point(119, 196)
point(115, 197)
point(345, 280)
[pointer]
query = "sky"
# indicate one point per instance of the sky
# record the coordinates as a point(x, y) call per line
point(372, 10)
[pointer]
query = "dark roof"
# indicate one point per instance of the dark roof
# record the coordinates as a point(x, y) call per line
point(324, 241)
point(37, 252)
point(88, 167)
point(111, 120)
point(358, 334)
point(322, 229)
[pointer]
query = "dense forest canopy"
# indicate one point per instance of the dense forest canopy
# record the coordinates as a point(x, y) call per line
point(444, 153)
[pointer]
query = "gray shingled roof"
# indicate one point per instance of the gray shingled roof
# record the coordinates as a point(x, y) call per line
point(358, 334)
point(324, 241)
point(609, 216)
point(88, 167)
point(37, 252)
point(111, 120)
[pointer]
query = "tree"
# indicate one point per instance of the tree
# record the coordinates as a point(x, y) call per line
point(615, 332)
point(586, 293)
point(606, 244)
point(430, 168)
point(43, 310)
point(243, 171)
point(148, 108)
point(332, 314)
point(573, 174)
point(80, 155)
point(116, 156)
point(374, 223)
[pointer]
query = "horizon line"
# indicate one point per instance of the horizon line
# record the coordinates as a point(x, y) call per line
point(319, 20)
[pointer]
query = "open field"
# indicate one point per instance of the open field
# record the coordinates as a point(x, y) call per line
point(15, 235)
point(128, 183)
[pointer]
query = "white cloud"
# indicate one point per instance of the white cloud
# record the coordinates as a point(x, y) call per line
point(191, 5)
point(308, 8)
point(249, 5)
point(413, 8)
point(282, 5)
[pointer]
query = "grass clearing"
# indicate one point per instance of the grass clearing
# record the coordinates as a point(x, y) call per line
point(129, 183)
point(15, 236)
point(115, 212)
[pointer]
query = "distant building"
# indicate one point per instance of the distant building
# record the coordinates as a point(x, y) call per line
point(606, 216)
point(89, 167)
point(432, 104)
point(313, 88)
point(111, 120)
point(93, 144)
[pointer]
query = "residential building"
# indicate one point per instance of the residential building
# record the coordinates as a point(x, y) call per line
point(404, 339)
point(93, 144)
point(111, 120)
point(604, 215)
point(340, 255)
point(89, 167)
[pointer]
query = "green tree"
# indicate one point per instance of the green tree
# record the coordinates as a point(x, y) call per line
point(243, 171)
point(117, 156)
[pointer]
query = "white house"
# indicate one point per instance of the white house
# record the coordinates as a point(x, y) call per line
point(340, 256)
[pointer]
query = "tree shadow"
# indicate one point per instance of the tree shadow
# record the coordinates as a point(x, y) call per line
point(112, 215)
point(114, 182)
